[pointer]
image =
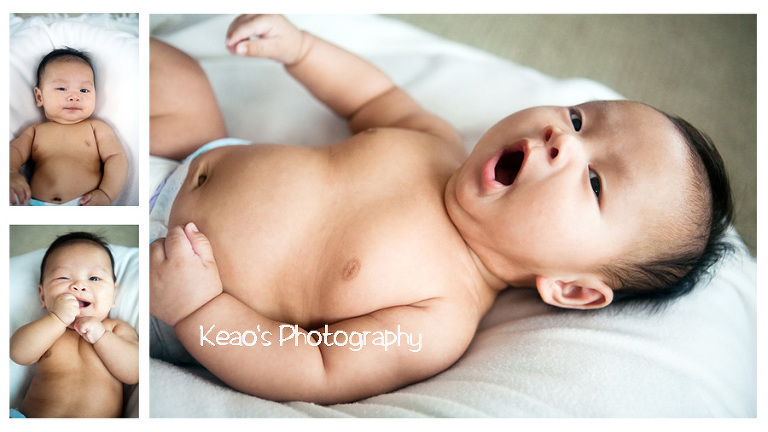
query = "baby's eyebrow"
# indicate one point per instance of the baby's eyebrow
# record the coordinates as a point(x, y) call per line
point(91, 269)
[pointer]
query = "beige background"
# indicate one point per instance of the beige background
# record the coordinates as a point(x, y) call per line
point(27, 238)
point(700, 67)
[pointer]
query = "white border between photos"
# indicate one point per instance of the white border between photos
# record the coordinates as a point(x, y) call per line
point(138, 215)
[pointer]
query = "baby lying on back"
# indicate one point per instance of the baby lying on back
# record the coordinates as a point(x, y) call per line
point(397, 230)
point(76, 160)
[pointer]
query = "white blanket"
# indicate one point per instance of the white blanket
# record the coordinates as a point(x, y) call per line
point(697, 358)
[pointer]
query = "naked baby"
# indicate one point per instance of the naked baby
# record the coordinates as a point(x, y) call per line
point(82, 357)
point(76, 160)
point(396, 229)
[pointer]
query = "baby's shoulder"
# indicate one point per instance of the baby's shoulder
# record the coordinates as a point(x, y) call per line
point(403, 144)
point(115, 325)
point(95, 123)
point(111, 323)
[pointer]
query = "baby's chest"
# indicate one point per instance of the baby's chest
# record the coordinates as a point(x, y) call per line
point(70, 354)
point(367, 262)
point(69, 140)
point(394, 268)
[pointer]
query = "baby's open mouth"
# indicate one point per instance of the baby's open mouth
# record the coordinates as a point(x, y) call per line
point(83, 304)
point(508, 167)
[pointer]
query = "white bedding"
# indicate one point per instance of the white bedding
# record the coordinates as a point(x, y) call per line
point(25, 307)
point(696, 359)
point(113, 44)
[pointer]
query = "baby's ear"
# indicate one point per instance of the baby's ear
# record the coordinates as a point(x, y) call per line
point(114, 298)
point(42, 297)
point(580, 293)
point(38, 97)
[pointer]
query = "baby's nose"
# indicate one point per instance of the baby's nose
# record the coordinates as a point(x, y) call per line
point(78, 286)
point(560, 144)
point(553, 141)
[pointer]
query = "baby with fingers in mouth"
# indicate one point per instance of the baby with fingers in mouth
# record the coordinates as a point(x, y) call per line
point(82, 357)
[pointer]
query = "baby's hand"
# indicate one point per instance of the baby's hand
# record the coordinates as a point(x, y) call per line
point(20, 191)
point(270, 36)
point(66, 308)
point(183, 275)
point(95, 198)
point(90, 328)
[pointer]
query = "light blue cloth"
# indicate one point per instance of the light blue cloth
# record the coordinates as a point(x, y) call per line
point(34, 202)
point(16, 414)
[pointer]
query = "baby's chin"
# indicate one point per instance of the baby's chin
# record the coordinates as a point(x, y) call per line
point(70, 120)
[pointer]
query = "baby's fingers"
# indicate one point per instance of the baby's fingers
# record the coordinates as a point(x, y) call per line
point(177, 244)
point(157, 251)
point(199, 242)
point(15, 200)
point(246, 27)
point(86, 198)
point(20, 194)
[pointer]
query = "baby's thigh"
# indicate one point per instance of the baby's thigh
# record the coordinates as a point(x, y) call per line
point(183, 113)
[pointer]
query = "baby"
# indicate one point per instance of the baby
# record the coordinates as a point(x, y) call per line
point(76, 160)
point(82, 356)
point(330, 274)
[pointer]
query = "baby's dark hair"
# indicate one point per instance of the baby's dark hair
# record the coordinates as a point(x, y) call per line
point(654, 284)
point(77, 238)
point(63, 54)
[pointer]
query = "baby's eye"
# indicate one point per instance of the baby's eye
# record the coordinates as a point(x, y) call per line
point(84, 90)
point(576, 119)
point(61, 89)
point(95, 278)
point(594, 182)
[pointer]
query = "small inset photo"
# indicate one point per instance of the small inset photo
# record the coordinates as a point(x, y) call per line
point(74, 119)
point(74, 314)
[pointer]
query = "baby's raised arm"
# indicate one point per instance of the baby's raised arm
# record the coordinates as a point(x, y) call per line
point(32, 340)
point(346, 83)
point(117, 345)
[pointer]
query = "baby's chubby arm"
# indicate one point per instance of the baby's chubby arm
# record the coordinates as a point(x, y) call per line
point(183, 274)
point(349, 85)
point(115, 163)
point(20, 151)
point(186, 293)
point(118, 346)
point(32, 340)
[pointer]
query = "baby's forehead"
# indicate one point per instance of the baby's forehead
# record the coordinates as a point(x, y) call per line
point(624, 110)
point(646, 163)
point(54, 64)
point(77, 249)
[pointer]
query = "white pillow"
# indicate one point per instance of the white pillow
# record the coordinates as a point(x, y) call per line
point(114, 55)
point(25, 307)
